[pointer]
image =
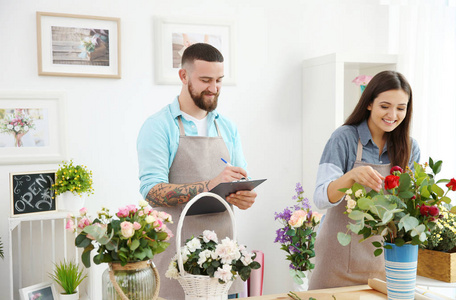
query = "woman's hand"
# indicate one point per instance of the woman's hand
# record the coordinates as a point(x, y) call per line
point(368, 177)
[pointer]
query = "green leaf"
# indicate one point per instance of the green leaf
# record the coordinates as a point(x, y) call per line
point(377, 252)
point(343, 238)
point(291, 232)
point(408, 223)
point(446, 200)
point(85, 257)
point(377, 244)
point(356, 215)
point(140, 255)
point(134, 245)
point(399, 242)
point(82, 241)
point(356, 228)
point(365, 203)
point(404, 182)
point(438, 190)
point(436, 168)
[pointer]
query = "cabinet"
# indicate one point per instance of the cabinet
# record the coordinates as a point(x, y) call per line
point(328, 98)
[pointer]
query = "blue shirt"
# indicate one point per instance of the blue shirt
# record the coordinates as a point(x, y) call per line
point(339, 156)
point(158, 141)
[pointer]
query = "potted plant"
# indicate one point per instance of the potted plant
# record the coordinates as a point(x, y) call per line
point(72, 184)
point(127, 241)
point(403, 214)
point(68, 275)
point(297, 237)
point(437, 259)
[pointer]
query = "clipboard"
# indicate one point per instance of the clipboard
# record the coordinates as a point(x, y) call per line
point(208, 205)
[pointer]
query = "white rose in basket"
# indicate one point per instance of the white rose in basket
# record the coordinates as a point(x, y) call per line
point(204, 255)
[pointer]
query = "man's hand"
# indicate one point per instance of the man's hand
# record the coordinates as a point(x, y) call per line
point(228, 174)
point(242, 199)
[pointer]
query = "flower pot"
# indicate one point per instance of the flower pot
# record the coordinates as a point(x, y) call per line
point(134, 281)
point(71, 202)
point(74, 296)
point(304, 286)
point(400, 267)
point(437, 265)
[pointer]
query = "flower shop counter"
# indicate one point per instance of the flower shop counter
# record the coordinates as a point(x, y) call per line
point(361, 292)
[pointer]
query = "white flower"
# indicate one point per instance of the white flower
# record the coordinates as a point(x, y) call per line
point(348, 198)
point(228, 250)
point(246, 258)
point(349, 192)
point(17, 128)
point(143, 203)
point(150, 219)
point(359, 193)
point(224, 273)
point(9, 126)
point(204, 255)
point(26, 128)
point(209, 235)
point(193, 244)
point(172, 272)
point(351, 203)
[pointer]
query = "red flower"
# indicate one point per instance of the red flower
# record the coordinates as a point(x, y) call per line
point(434, 211)
point(396, 169)
point(413, 197)
point(452, 184)
point(391, 181)
point(424, 210)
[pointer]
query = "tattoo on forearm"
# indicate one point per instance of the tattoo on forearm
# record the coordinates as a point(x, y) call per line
point(165, 194)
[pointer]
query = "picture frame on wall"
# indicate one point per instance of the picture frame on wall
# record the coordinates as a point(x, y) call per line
point(32, 127)
point(174, 35)
point(78, 45)
point(45, 290)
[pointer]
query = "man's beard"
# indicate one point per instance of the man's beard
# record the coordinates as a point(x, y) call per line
point(198, 99)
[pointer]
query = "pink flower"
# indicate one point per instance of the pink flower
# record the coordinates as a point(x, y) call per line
point(136, 226)
point(83, 222)
point(70, 225)
point(132, 208)
point(127, 229)
point(147, 210)
point(83, 211)
point(316, 216)
point(362, 80)
point(123, 212)
point(297, 218)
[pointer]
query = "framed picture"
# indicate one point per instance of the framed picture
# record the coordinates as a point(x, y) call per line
point(41, 291)
point(32, 193)
point(75, 45)
point(174, 35)
point(31, 127)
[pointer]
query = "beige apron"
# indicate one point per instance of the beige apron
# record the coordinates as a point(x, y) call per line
point(197, 159)
point(337, 265)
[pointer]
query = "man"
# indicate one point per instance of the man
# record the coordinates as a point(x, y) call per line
point(180, 150)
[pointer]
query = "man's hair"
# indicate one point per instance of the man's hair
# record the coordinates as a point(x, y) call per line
point(201, 51)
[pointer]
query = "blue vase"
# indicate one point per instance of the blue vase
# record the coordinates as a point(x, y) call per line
point(400, 267)
point(362, 88)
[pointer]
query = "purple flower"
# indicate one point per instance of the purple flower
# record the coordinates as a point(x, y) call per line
point(299, 189)
point(281, 235)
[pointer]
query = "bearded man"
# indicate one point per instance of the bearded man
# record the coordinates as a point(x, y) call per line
point(179, 153)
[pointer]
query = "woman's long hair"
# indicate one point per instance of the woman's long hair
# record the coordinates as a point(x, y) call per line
point(398, 140)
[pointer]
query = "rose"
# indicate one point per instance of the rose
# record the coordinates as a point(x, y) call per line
point(193, 244)
point(396, 169)
point(83, 222)
point(136, 226)
point(434, 211)
point(127, 229)
point(316, 216)
point(70, 225)
point(123, 212)
point(391, 181)
point(297, 218)
point(452, 184)
point(424, 210)
point(83, 211)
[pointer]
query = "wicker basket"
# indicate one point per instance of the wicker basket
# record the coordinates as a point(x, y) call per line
point(198, 287)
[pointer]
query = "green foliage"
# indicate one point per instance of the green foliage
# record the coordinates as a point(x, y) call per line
point(406, 212)
point(68, 276)
point(73, 178)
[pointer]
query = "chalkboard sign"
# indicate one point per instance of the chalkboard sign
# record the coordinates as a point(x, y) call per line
point(31, 192)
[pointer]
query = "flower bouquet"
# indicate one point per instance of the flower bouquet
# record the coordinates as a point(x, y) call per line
point(127, 241)
point(72, 178)
point(17, 124)
point(362, 81)
point(297, 234)
point(405, 211)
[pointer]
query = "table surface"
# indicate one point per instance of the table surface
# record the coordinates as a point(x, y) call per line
point(357, 292)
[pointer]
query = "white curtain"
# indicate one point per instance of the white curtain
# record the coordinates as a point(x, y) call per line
point(423, 34)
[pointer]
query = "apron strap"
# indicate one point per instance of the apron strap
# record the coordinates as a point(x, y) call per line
point(182, 131)
point(359, 152)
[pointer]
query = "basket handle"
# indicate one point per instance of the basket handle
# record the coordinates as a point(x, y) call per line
point(181, 222)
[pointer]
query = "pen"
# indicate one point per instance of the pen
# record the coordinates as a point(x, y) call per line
point(230, 165)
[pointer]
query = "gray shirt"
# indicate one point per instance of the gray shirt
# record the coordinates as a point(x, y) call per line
point(339, 157)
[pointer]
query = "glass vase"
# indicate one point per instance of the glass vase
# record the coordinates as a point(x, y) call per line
point(138, 281)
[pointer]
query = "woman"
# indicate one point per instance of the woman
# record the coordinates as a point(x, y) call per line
point(375, 137)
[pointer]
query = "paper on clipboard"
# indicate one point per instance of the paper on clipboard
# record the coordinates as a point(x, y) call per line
point(208, 205)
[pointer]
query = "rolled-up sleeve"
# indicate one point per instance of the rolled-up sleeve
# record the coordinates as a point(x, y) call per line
point(154, 151)
point(415, 154)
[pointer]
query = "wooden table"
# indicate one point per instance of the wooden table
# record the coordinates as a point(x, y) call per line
point(357, 292)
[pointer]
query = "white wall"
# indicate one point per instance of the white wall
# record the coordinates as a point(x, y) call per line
point(104, 115)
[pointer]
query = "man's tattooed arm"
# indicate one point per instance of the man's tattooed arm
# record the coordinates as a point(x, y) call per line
point(168, 194)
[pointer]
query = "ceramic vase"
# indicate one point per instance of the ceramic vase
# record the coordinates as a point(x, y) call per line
point(304, 286)
point(71, 202)
point(400, 267)
point(74, 296)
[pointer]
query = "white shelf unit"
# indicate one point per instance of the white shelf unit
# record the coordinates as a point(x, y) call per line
point(329, 96)
point(36, 242)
